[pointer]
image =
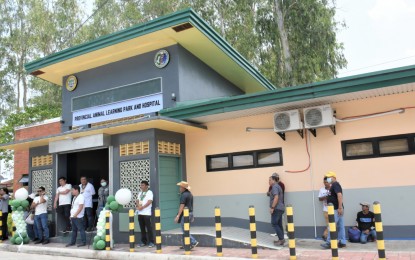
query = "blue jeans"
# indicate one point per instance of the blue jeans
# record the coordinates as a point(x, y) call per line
point(78, 225)
point(363, 236)
point(339, 228)
point(276, 222)
point(192, 239)
point(41, 222)
point(89, 218)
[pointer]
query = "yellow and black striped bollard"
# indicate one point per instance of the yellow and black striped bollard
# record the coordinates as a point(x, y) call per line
point(218, 227)
point(1, 226)
point(252, 228)
point(291, 237)
point(379, 230)
point(186, 231)
point(107, 231)
point(132, 235)
point(158, 230)
point(333, 232)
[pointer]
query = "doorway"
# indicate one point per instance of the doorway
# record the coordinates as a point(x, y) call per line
point(93, 164)
point(169, 169)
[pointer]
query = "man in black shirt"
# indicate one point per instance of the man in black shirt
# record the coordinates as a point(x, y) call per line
point(186, 200)
point(366, 223)
point(335, 197)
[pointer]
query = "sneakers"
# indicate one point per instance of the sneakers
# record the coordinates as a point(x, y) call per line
point(45, 242)
point(279, 242)
point(141, 245)
point(68, 245)
point(340, 245)
point(325, 246)
point(273, 235)
point(194, 245)
point(150, 245)
point(39, 241)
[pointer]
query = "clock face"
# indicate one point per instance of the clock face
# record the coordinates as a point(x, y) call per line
point(161, 59)
point(71, 83)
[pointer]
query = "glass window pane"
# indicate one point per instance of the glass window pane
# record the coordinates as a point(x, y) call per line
point(359, 149)
point(218, 163)
point(393, 146)
point(268, 158)
point(243, 160)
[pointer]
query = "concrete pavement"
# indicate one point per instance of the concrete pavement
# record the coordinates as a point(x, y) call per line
point(305, 249)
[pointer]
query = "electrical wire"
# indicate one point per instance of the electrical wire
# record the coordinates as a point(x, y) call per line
point(308, 154)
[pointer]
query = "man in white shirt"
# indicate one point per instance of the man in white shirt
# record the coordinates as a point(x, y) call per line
point(77, 217)
point(40, 204)
point(322, 196)
point(88, 190)
point(63, 194)
point(144, 204)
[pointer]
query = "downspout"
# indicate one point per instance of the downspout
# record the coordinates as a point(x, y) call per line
point(312, 185)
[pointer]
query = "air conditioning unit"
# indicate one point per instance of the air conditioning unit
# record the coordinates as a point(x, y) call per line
point(287, 121)
point(315, 117)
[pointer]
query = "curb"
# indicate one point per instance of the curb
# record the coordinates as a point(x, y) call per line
point(94, 254)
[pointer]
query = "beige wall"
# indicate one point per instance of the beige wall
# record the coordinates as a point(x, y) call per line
point(230, 136)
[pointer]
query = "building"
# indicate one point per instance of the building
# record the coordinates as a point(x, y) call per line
point(170, 100)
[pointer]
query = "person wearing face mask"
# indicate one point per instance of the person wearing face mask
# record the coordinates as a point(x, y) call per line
point(335, 197)
point(103, 193)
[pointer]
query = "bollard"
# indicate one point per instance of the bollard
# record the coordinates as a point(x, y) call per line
point(158, 230)
point(379, 230)
point(132, 236)
point(1, 226)
point(107, 231)
point(333, 232)
point(291, 238)
point(252, 228)
point(218, 227)
point(186, 231)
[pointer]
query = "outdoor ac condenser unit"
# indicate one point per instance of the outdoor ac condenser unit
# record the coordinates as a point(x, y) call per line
point(287, 121)
point(320, 116)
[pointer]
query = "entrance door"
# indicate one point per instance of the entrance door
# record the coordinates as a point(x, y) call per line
point(169, 169)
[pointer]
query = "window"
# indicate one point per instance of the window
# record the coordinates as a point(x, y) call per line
point(394, 145)
point(244, 160)
point(114, 95)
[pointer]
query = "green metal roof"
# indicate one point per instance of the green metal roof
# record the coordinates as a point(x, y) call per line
point(302, 93)
point(48, 67)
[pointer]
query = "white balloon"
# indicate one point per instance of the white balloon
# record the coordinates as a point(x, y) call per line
point(123, 196)
point(99, 233)
point(21, 194)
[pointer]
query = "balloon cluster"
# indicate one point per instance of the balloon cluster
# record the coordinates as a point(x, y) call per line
point(99, 239)
point(18, 205)
point(114, 204)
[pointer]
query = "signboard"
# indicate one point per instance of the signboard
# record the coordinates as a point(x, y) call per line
point(127, 108)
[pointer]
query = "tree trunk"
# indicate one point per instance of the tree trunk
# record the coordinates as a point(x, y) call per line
point(284, 39)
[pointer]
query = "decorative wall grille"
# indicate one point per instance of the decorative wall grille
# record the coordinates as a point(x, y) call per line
point(131, 175)
point(43, 178)
point(44, 160)
point(168, 148)
point(135, 148)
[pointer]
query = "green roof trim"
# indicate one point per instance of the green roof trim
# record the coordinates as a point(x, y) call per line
point(362, 82)
point(180, 17)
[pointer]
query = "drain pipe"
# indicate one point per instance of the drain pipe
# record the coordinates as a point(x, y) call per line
point(312, 184)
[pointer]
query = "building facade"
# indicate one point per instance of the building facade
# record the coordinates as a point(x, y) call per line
point(170, 100)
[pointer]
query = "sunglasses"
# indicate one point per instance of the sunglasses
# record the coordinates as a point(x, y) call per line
point(39, 190)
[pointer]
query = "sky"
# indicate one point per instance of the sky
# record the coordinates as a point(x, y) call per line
point(378, 35)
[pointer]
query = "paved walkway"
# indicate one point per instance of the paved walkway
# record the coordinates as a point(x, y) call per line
point(306, 249)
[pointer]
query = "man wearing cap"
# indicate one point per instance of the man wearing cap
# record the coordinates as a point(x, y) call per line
point(366, 223)
point(186, 200)
point(335, 197)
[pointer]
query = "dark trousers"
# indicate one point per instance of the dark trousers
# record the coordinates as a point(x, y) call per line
point(89, 218)
point(4, 227)
point(146, 229)
point(65, 213)
point(78, 225)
